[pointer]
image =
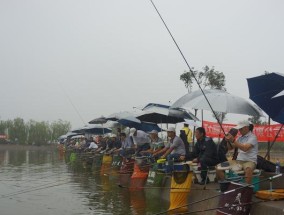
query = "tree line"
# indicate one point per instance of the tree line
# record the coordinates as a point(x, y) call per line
point(32, 132)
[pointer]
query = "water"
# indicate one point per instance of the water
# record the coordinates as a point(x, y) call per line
point(39, 181)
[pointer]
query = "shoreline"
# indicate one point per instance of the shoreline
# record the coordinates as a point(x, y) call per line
point(26, 147)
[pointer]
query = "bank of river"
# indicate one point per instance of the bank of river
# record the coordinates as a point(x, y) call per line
point(36, 180)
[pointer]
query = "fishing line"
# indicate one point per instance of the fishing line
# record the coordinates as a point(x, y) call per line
point(69, 99)
point(39, 187)
point(224, 193)
point(273, 141)
point(192, 73)
point(231, 206)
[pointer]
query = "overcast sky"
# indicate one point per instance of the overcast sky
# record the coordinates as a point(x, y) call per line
point(107, 56)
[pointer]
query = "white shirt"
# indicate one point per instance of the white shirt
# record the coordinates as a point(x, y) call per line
point(141, 138)
point(251, 154)
point(93, 146)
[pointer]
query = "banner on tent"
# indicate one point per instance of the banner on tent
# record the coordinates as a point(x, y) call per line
point(264, 133)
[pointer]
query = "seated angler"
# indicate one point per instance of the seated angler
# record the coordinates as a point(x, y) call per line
point(141, 140)
point(93, 146)
point(175, 150)
point(156, 144)
point(205, 153)
point(113, 143)
point(127, 146)
point(247, 146)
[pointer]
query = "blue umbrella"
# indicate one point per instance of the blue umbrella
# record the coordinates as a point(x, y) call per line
point(267, 92)
point(144, 126)
point(92, 129)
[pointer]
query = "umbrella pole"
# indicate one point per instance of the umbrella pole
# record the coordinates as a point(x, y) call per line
point(268, 142)
point(202, 117)
point(193, 137)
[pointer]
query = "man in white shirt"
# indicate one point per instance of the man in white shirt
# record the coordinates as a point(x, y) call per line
point(247, 146)
point(141, 140)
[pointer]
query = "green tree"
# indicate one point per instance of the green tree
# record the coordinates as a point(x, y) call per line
point(18, 131)
point(39, 132)
point(207, 78)
point(59, 128)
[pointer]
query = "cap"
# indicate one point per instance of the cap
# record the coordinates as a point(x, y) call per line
point(153, 132)
point(242, 124)
point(113, 135)
point(171, 129)
point(233, 132)
point(132, 131)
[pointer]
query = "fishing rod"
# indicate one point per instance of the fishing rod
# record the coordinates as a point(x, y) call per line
point(224, 193)
point(192, 73)
point(273, 141)
point(224, 207)
point(39, 187)
point(69, 99)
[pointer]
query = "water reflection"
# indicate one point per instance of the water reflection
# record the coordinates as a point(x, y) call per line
point(41, 181)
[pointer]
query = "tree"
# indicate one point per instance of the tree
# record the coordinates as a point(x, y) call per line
point(59, 128)
point(208, 78)
point(18, 131)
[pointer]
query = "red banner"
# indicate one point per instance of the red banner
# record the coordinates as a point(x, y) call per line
point(3, 136)
point(264, 133)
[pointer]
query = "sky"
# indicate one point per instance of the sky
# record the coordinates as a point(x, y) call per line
point(78, 60)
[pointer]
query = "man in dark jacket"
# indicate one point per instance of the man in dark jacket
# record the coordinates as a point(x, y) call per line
point(205, 153)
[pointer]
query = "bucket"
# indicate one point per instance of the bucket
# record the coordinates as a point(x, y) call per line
point(97, 160)
point(116, 161)
point(127, 166)
point(180, 187)
point(155, 178)
point(236, 202)
point(139, 177)
point(180, 167)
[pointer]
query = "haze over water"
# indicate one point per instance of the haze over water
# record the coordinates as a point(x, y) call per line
point(38, 181)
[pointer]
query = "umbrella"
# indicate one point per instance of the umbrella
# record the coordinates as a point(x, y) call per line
point(123, 115)
point(159, 113)
point(129, 119)
point(144, 126)
point(100, 120)
point(92, 129)
point(221, 101)
point(267, 92)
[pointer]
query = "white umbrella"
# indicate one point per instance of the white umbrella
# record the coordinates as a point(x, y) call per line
point(221, 101)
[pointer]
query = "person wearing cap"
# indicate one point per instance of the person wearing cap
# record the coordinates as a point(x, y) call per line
point(113, 143)
point(156, 143)
point(205, 153)
point(127, 146)
point(247, 146)
point(175, 150)
point(141, 140)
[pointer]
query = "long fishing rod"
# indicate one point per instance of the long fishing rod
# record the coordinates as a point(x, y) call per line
point(224, 207)
point(69, 99)
point(39, 187)
point(224, 193)
point(192, 73)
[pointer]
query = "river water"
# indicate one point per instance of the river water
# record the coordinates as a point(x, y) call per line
point(37, 180)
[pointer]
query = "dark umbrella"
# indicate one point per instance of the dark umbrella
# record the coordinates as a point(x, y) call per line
point(267, 92)
point(144, 126)
point(159, 113)
point(100, 120)
point(94, 129)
